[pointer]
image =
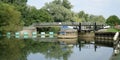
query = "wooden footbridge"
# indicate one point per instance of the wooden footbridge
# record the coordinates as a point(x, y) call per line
point(83, 26)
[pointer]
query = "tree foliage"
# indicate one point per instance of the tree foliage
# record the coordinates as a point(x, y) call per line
point(64, 3)
point(59, 2)
point(34, 15)
point(67, 4)
point(59, 12)
point(76, 18)
point(99, 19)
point(113, 20)
point(55, 11)
point(90, 18)
point(9, 18)
point(15, 2)
point(83, 16)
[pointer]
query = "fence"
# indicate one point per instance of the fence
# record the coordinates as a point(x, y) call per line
point(28, 35)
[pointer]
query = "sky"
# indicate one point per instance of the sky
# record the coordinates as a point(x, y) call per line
point(95, 7)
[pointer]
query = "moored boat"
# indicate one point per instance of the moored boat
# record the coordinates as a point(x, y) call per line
point(67, 34)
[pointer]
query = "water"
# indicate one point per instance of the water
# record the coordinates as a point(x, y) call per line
point(28, 49)
point(87, 53)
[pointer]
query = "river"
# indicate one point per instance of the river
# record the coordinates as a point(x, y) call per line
point(29, 49)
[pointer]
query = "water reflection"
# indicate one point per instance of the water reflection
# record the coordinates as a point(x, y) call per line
point(12, 49)
point(17, 49)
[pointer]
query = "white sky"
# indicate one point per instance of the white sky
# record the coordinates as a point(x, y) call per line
point(96, 7)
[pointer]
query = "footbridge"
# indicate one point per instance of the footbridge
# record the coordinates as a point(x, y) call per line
point(81, 26)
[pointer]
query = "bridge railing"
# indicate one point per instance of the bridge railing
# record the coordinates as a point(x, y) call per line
point(56, 24)
point(68, 24)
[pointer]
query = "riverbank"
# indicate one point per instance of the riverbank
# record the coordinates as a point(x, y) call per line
point(117, 57)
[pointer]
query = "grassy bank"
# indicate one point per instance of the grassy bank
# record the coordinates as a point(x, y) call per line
point(113, 30)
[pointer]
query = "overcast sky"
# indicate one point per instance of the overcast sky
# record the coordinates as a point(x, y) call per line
point(96, 7)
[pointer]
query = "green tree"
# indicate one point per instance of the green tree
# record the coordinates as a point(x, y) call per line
point(30, 15)
point(44, 16)
point(59, 2)
point(59, 12)
point(113, 20)
point(20, 5)
point(83, 16)
point(67, 4)
point(34, 15)
point(15, 2)
point(76, 18)
point(99, 19)
point(9, 18)
point(90, 18)
point(64, 3)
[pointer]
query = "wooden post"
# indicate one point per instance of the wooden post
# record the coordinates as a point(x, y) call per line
point(95, 27)
point(79, 29)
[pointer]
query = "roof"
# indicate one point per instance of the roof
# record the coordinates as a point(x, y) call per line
point(29, 28)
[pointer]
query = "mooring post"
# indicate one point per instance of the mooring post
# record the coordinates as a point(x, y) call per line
point(79, 29)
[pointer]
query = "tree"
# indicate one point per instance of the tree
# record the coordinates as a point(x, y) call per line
point(15, 2)
point(58, 2)
point(113, 20)
point(67, 4)
point(64, 3)
point(34, 15)
point(101, 19)
point(98, 19)
point(29, 15)
point(20, 5)
point(90, 18)
point(44, 16)
point(9, 18)
point(76, 18)
point(83, 16)
point(59, 12)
